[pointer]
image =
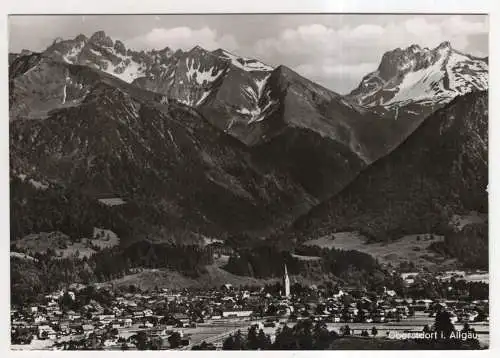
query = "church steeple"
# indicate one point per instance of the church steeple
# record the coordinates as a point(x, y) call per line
point(286, 283)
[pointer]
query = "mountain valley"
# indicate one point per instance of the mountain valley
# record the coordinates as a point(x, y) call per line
point(205, 143)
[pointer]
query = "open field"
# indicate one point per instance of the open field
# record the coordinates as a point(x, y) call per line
point(414, 248)
point(471, 276)
point(306, 258)
point(112, 201)
point(478, 277)
point(36, 344)
point(214, 277)
point(64, 246)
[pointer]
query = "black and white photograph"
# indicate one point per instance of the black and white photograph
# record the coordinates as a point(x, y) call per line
point(273, 181)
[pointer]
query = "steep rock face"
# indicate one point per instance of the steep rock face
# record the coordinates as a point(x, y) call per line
point(255, 107)
point(191, 77)
point(412, 83)
point(20, 63)
point(102, 53)
point(416, 74)
point(441, 169)
point(196, 74)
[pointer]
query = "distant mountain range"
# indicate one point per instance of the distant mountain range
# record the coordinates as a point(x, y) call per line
point(210, 143)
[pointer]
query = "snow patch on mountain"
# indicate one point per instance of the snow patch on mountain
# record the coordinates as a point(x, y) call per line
point(420, 85)
point(64, 94)
point(35, 183)
point(72, 55)
point(173, 141)
point(125, 73)
point(201, 76)
point(38, 185)
point(67, 81)
point(97, 53)
point(130, 72)
point(442, 81)
point(246, 64)
point(262, 100)
point(203, 97)
point(188, 101)
point(465, 73)
point(415, 74)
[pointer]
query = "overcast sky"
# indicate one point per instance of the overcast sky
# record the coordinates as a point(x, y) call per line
point(334, 50)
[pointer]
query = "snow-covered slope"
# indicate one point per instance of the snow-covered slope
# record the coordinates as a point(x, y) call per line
point(101, 52)
point(427, 76)
point(196, 76)
point(246, 64)
point(188, 77)
point(251, 101)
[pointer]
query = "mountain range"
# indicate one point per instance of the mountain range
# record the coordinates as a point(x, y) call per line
point(421, 75)
point(440, 170)
point(411, 83)
point(210, 143)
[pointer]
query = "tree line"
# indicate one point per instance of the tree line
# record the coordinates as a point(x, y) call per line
point(350, 267)
point(31, 279)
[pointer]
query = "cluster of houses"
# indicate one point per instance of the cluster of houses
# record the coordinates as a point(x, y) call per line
point(161, 313)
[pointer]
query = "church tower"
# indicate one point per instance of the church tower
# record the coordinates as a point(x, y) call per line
point(286, 283)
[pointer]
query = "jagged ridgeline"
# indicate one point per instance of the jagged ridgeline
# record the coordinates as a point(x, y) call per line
point(190, 145)
point(203, 142)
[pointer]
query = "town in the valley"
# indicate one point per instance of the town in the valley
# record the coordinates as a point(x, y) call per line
point(249, 181)
point(127, 318)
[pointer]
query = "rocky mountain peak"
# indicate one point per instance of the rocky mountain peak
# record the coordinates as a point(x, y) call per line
point(197, 48)
point(401, 60)
point(25, 52)
point(444, 45)
point(200, 52)
point(120, 47)
point(100, 38)
point(219, 52)
point(414, 48)
point(414, 74)
point(106, 123)
point(81, 38)
point(167, 50)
